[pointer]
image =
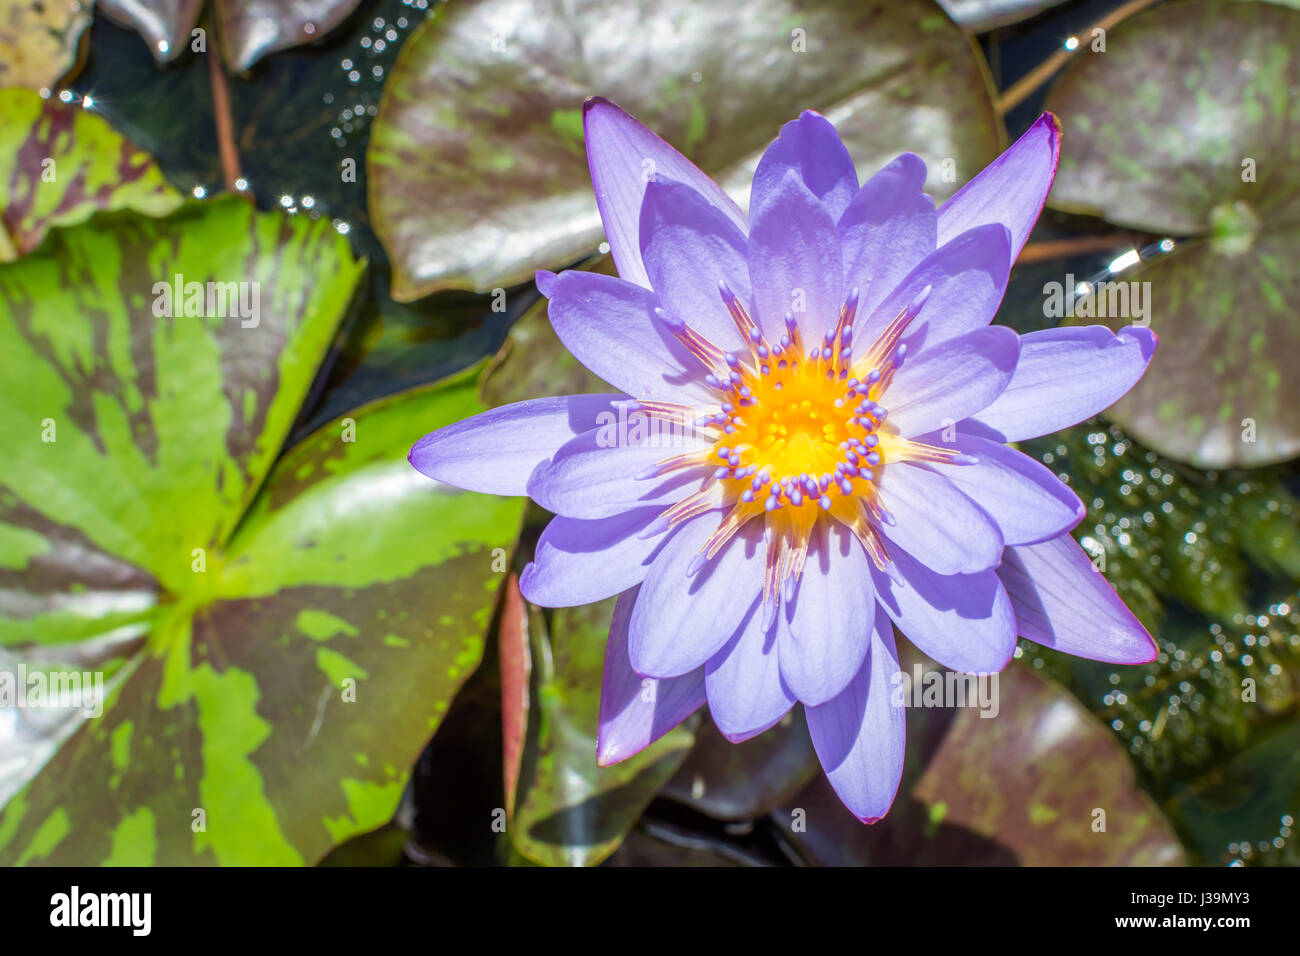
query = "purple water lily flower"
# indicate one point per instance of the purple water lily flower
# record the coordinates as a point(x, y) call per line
point(809, 444)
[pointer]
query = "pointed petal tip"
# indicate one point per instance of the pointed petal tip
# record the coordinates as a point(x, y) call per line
point(526, 578)
point(607, 756)
point(1152, 655)
point(1145, 336)
point(610, 750)
point(874, 814)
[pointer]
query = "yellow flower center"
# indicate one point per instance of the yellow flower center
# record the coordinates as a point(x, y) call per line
point(799, 433)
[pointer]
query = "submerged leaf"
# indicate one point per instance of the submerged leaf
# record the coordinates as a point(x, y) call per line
point(567, 811)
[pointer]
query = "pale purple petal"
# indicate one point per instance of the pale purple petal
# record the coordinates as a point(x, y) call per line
point(636, 711)
point(935, 523)
point(1067, 375)
point(1062, 601)
point(688, 247)
point(681, 620)
point(581, 561)
point(812, 148)
point(595, 475)
point(965, 279)
point(1024, 498)
point(963, 621)
point(608, 325)
point(826, 629)
point(951, 381)
point(496, 451)
point(622, 153)
point(861, 735)
point(1011, 190)
point(794, 262)
point(887, 230)
point(743, 681)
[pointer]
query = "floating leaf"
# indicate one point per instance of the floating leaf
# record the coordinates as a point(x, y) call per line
point(39, 40)
point(1021, 787)
point(568, 811)
point(1170, 134)
point(476, 163)
point(164, 24)
point(60, 163)
point(250, 29)
point(305, 626)
point(976, 16)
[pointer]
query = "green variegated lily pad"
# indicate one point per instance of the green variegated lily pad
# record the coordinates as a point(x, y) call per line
point(40, 40)
point(565, 810)
point(477, 173)
point(1168, 133)
point(60, 163)
point(282, 637)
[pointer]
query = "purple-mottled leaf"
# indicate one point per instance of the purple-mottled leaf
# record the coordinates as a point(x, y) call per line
point(61, 163)
point(1167, 133)
point(164, 24)
point(477, 168)
point(1022, 787)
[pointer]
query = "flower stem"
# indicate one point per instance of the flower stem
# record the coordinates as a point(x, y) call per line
point(225, 126)
point(1057, 248)
point(1024, 87)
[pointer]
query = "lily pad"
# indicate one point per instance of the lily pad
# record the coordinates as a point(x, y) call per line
point(164, 24)
point(59, 164)
point(566, 810)
point(1167, 133)
point(40, 40)
point(977, 16)
point(299, 629)
point(250, 29)
point(1022, 787)
point(477, 172)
